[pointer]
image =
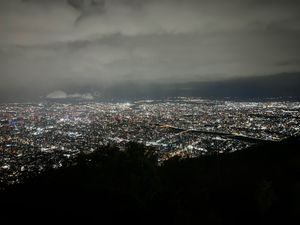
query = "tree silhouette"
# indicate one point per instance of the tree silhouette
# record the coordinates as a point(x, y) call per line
point(259, 185)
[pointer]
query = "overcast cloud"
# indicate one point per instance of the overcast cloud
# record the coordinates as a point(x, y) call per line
point(49, 45)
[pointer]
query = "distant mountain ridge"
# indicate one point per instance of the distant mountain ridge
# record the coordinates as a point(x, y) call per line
point(284, 86)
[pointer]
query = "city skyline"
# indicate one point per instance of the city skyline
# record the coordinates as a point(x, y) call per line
point(39, 136)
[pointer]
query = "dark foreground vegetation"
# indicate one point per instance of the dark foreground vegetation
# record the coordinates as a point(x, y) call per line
point(259, 185)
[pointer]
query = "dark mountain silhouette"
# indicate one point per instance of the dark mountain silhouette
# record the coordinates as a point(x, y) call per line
point(284, 86)
point(258, 185)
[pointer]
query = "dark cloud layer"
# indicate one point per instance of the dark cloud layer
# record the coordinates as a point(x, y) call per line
point(49, 45)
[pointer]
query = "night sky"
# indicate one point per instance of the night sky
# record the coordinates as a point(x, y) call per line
point(69, 48)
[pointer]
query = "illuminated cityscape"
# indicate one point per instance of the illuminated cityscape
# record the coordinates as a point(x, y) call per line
point(150, 112)
point(34, 137)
